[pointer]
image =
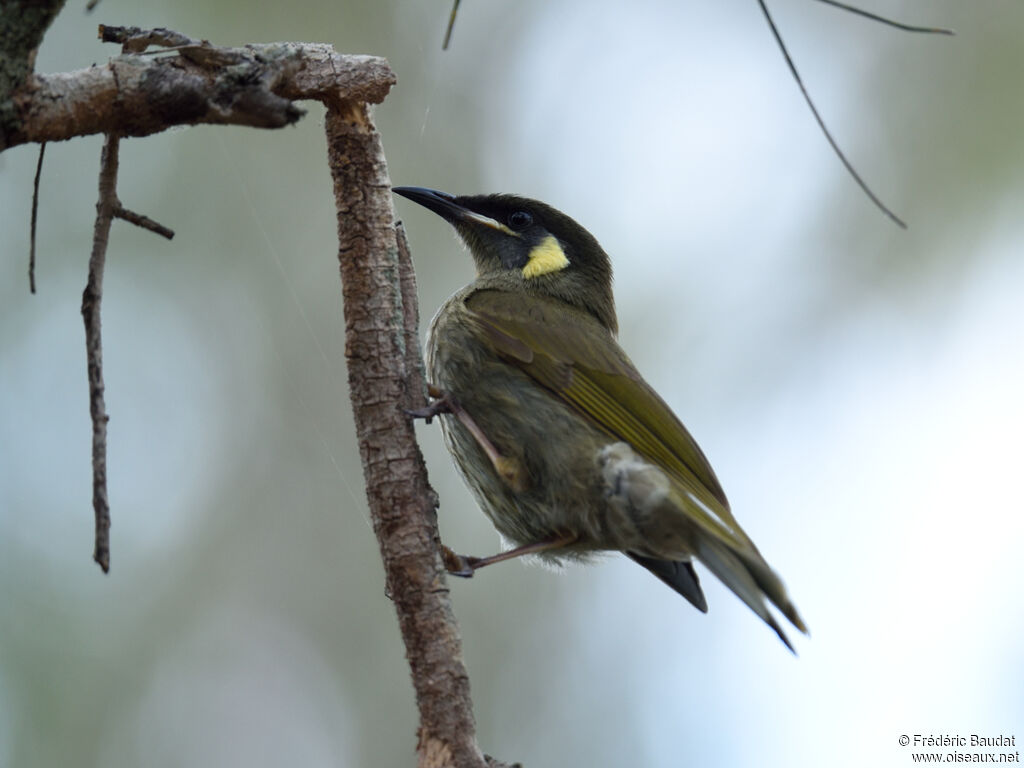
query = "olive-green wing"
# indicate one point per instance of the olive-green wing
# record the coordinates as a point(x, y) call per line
point(577, 359)
point(574, 356)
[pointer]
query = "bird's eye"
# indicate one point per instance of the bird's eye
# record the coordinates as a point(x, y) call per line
point(520, 220)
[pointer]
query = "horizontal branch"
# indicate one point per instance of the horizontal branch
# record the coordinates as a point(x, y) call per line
point(138, 94)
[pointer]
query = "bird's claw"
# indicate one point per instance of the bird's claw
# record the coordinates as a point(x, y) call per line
point(458, 565)
point(441, 404)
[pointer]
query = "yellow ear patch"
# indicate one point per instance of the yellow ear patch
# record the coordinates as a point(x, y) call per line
point(546, 257)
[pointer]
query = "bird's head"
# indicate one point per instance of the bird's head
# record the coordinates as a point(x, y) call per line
point(528, 245)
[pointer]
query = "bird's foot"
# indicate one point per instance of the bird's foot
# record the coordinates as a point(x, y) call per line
point(456, 564)
point(465, 566)
point(441, 403)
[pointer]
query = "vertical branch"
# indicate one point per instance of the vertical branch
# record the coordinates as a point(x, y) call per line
point(92, 297)
point(415, 375)
point(383, 381)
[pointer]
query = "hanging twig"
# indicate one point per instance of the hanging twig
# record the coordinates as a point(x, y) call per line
point(107, 209)
point(92, 297)
point(32, 224)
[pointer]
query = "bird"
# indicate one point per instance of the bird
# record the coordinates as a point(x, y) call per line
point(563, 444)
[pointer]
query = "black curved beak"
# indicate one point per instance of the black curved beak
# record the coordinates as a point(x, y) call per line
point(441, 203)
point(449, 208)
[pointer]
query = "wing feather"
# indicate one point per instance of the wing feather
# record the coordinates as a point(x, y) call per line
point(571, 354)
point(584, 365)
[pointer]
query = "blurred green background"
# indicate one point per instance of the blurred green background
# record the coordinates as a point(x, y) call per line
point(857, 388)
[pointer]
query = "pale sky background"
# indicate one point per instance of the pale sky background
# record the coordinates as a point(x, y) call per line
point(857, 388)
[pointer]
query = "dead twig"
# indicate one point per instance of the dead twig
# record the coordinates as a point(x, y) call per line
point(92, 297)
point(32, 224)
point(108, 207)
point(142, 221)
point(191, 82)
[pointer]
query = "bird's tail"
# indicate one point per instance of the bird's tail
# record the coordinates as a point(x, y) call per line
point(678, 515)
point(752, 580)
point(678, 574)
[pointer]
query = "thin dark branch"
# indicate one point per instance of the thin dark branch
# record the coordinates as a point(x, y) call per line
point(451, 25)
point(886, 21)
point(92, 297)
point(821, 123)
point(139, 220)
point(107, 209)
point(32, 225)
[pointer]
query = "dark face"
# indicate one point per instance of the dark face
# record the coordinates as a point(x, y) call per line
point(530, 242)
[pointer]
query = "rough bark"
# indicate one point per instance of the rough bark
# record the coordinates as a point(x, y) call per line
point(22, 26)
point(380, 360)
point(195, 83)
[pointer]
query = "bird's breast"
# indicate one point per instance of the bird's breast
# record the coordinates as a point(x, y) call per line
point(556, 446)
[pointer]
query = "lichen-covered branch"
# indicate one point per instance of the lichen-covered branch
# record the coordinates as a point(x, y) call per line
point(189, 83)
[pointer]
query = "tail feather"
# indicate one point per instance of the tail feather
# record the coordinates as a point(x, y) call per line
point(751, 580)
point(676, 515)
point(773, 587)
point(678, 574)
